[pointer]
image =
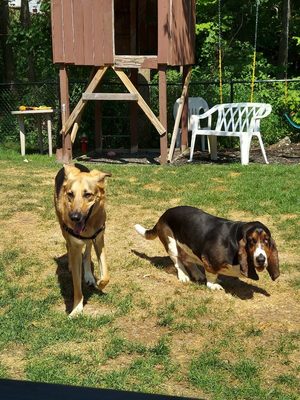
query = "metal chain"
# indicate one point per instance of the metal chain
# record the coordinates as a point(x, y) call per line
point(220, 54)
point(254, 53)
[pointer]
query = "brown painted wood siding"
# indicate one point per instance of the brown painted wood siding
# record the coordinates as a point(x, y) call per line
point(164, 32)
point(183, 32)
point(176, 32)
point(82, 32)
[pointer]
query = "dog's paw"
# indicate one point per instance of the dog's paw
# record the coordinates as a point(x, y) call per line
point(101, 283)
point(89, 279)
point(77, 310)
point(183, 277)
point(214, 286)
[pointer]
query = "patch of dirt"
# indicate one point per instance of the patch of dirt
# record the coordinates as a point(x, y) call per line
point(140, 329)
point(283, 152)
point(14, 359)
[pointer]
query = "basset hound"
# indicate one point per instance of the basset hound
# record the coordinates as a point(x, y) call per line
point(196, 240)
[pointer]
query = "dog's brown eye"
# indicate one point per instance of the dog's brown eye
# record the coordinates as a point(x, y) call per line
point(252, 241)
point(70, 195)
point(88, 195)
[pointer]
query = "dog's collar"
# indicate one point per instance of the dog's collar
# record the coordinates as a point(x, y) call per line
point(76, 235)
point(71, 232)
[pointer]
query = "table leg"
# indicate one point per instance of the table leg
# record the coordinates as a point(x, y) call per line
point(49, 129)
point(22, 134)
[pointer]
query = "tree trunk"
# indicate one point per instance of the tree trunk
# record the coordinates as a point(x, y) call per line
point(284, 39)
point(25, 22)
point(5, 47)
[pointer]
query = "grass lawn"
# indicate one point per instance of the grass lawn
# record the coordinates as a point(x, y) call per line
point(149, 332)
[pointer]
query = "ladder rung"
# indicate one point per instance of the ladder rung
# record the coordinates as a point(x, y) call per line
point(110, 96)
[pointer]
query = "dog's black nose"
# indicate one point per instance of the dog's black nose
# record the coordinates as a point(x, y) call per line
point(261, 259)
point(75, 216)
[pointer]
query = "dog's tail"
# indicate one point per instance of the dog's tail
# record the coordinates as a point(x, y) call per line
point(148, 234)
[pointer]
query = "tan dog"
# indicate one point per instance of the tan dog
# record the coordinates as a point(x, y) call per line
point(79, 203)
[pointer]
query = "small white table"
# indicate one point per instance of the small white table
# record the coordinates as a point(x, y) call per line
point(39, 113)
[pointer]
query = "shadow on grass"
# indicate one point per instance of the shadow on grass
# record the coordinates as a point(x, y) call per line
point(241, 289)
point(148, 157)
point(163, 263)
point(64, 277)
point(234, 286)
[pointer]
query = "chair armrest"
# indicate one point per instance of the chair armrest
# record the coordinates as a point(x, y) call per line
point(195, 121)
point(255, 124)
point(208, 113)
point(267, 111)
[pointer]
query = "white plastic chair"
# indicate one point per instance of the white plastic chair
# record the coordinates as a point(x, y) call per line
point(196, 105)
point(232, 120)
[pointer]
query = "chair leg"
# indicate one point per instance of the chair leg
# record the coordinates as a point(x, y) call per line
point(212, 140)
point(262, 148)
point(208, 144)
point(193, 140)
point(245, 141)
point(178, 139)
point(203, 142)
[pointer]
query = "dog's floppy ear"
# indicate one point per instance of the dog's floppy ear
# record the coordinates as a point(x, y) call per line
point(247, 267)
point(98, 178)
point(99, 175)
point(242, 257)
point(273, 261)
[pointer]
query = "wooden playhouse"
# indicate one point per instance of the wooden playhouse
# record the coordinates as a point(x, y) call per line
point(122, 35)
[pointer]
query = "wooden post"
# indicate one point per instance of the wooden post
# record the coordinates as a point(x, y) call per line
point(185, 111)
point(183, 100)
point(134, 116)
point(75, 128)
point(134, 79)
point(163, 111)
point(64, 154)
point(98, 143)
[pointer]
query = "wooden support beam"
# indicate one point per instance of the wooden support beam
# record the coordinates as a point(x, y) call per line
point(110, 96)
point(135, 61)
point(162, 83)
point(64, 91)
point(65, 153)
point(141, 102)
point(134, 115)
point(81, 104)
point(179, 113)
point(75, 129)
point(185, 111)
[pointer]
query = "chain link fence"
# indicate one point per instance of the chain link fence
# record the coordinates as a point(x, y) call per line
point(12, 96)
point(116, 115)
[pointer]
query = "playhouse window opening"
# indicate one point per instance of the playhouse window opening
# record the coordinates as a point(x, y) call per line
point(136, 27)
